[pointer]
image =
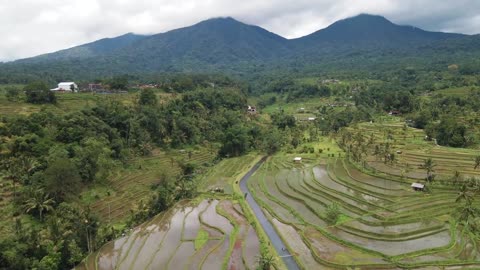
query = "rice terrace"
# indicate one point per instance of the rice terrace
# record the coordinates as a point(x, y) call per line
point(323, 138)
point(330, 212)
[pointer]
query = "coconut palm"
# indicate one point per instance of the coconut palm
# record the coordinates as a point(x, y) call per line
point(457, 177)
point(265, 262)
point(39, 201)
point(14, 172)
point(477, 162)
point(406, 169)
point(428, 165)
point(464, 194)
point(467, 213)
point(29, 164)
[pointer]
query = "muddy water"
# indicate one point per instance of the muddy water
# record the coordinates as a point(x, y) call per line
point(167, 241)
point(282, 181)
point(296, 245)
point(169, 244)
point(386, 186)
point(283, 213)
point(210, 217)
point(192, 225)
point(179, 259)
point(393, 229)
point(199, 256)
point(215, 259)
point(337, 253)
point(322, 178)
point(236, 261)
point(156, 234)
point(109, 254)
point(251, 249)
point(441, 239)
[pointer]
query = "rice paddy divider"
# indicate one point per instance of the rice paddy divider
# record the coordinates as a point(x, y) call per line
point(319, 259)
point(233, 235)
point(163, 238)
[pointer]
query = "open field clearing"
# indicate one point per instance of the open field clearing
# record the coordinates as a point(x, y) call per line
point(381, 224)
point(207, 234)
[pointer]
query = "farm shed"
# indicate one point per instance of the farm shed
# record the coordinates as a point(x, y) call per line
point(418, 186)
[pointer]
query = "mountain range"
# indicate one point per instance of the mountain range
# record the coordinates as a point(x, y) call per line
point(227, 45)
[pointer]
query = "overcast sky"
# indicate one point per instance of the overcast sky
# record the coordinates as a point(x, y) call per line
point(32, 27)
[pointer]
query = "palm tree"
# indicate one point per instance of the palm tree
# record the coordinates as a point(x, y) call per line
point(406, 169)
point(467, 212)
point(13, 173)
point(29, 165)
point(457, 177)
point(464, 194)
point(477, 162)
point(428, 165)
point(40, 202)
point(265, 261)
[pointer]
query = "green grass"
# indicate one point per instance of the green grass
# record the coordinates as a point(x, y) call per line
point(201, 239)
point(223, 174)
point(69, 102)
point(309, 104)
point(458, 91)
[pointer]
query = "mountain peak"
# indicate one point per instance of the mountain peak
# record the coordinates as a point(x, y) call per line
point(362, 21)
point(221, 21)
point(371, 29)
point(369, 17)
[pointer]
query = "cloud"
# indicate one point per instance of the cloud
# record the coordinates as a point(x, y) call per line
point(32, 27)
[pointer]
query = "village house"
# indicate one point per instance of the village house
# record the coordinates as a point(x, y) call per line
point(66, 87)
point(252, 109)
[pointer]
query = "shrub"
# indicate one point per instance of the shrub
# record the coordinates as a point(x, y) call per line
point(332, 213)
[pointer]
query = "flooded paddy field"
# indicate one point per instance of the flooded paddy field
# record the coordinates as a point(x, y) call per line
point(207, 234)
point(383, 223)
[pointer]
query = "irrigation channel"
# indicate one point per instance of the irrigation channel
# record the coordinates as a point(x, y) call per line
point(272, 234)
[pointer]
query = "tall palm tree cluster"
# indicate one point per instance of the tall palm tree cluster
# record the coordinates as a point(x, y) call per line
point(468, 213)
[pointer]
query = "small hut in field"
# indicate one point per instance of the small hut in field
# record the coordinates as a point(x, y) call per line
point(297, 159)
point(418, 187)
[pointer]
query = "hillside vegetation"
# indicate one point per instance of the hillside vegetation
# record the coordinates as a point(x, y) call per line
point(362, 43)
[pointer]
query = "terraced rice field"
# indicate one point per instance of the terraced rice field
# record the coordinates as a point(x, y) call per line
point(384, 224)
point(211, 234)
point(223, 174)
point(414, 150)
point(71, 102)
point(132, 185)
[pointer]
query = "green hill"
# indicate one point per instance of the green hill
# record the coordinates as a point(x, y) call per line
point(229, 46)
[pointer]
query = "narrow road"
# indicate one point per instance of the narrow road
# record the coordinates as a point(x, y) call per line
point(272, 234)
